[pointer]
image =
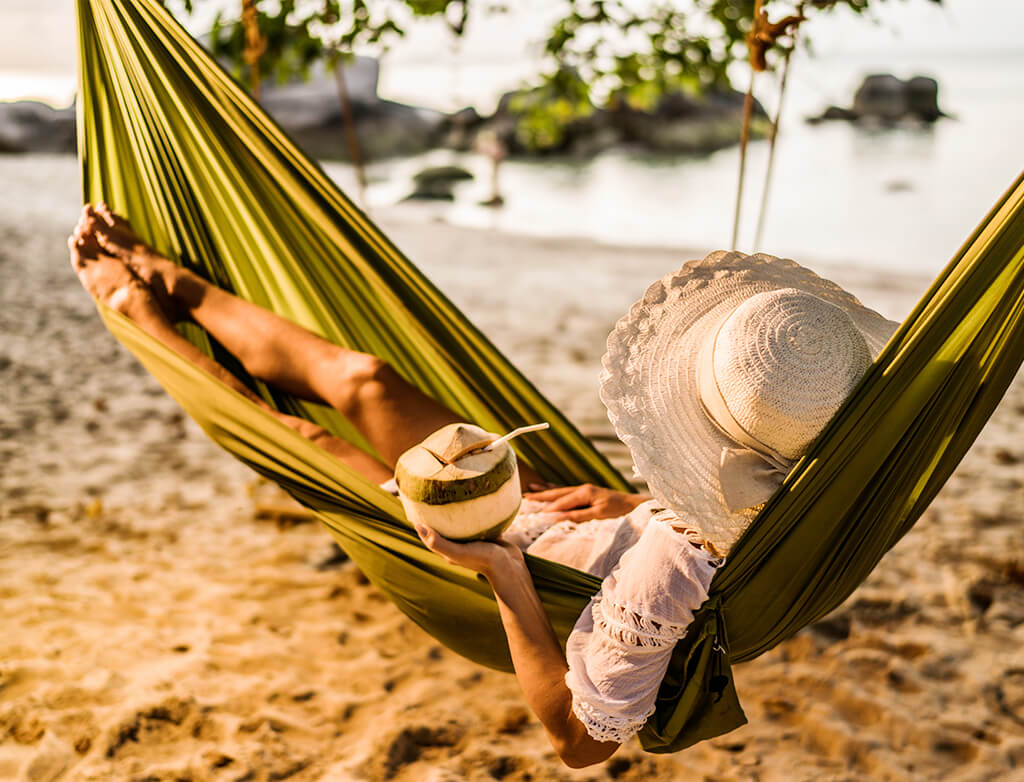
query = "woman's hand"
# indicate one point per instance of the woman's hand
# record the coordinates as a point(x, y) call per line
point(587, 502)
point(536, 655)
point(483, 556)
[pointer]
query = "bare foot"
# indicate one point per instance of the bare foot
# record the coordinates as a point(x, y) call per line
point(114, 236)
point(109, 281)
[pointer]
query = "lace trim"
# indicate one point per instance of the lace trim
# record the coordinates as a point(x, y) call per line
point(605, 727)
point(633, 629)
point(692, 535)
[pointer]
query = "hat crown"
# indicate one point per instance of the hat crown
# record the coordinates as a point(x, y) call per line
point(784, 362)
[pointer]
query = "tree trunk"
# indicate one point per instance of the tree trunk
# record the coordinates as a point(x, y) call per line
point(255, 45)
point(349, 123)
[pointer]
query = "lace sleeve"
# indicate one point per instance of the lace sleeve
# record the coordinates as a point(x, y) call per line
point(620, 647)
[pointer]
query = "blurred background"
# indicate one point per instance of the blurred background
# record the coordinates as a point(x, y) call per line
point(880, 192)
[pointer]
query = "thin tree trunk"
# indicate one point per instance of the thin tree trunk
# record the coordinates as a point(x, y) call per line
point(255, 45)
point(351, 137)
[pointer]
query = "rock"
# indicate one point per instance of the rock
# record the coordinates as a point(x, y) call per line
point(685, 124)
point(922, 94)
point(31, 126)
point(437, 183)
point(305, 104)
point(833, 112)
point(679, 123)
point(460, 128)
point(465, 118)
point(883, 98)
point(443, 174)
point(310, 111)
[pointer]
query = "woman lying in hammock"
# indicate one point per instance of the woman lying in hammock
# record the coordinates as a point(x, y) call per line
point(716, 381)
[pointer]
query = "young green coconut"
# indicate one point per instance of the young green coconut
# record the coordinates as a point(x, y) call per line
point(462, 481)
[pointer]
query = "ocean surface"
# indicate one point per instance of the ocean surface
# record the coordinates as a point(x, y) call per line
point(903, 198)
point(877, 199)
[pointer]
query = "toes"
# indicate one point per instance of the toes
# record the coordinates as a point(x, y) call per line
point(112, 219)
point(110, 246)
point(80, 251)
point(76, 256)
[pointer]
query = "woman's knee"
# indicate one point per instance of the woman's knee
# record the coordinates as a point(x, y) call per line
point(358, 380)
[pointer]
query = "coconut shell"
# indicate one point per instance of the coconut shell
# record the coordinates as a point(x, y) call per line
point(454, 441)
point(426, 473)
point(454, 484)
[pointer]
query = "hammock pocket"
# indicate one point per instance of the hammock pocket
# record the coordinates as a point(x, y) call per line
point(169, 139)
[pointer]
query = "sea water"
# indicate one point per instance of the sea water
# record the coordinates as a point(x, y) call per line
point(884, 198)
point(879, 198)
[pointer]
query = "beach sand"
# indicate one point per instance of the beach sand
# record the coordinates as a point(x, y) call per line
point(153, 628)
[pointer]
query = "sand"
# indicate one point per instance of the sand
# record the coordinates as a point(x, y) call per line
point(154, 629)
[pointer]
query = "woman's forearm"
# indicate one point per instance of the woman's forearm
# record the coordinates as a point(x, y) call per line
point(540, 664)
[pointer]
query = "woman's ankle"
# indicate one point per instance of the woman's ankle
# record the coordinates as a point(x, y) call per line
point(186, 288)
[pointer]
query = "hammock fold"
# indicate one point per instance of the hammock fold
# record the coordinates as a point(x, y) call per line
point(169, 139)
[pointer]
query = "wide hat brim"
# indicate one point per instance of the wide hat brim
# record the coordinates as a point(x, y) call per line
point(649, 380)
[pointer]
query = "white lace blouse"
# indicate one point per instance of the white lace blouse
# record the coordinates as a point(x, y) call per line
point(655, 576)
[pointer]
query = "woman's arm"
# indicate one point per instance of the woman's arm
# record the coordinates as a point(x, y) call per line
point(538, 659)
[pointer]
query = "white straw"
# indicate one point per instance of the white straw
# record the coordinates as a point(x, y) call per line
point(517, 432)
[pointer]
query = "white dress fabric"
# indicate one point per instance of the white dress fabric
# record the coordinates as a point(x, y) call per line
point(655, 575)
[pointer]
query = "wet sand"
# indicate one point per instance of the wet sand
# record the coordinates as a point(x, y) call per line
point(155, 629)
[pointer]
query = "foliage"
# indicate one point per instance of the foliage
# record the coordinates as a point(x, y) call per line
point(299, 33)
point(599, 53)
point(636, 52)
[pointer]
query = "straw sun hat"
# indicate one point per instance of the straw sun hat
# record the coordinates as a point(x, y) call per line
point(722, 375)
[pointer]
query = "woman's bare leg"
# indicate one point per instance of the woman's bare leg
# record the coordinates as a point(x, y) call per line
point(392, 414)
point(110, 281)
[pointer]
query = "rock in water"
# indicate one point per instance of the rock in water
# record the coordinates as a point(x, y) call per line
point(454, 484)
point(923, 98)
point(437, 182)
point(883, 98)
point(881, 95)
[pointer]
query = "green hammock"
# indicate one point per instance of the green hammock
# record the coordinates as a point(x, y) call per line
point(167, 138)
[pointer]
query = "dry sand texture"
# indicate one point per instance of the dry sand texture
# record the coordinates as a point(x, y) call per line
point(152, 629)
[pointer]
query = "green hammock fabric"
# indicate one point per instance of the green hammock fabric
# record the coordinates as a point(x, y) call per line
point(167, 138)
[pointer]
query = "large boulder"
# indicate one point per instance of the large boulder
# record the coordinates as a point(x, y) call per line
point(687, 124)
point(385, 129)
point(310, 111)
point(885, 99)
point(437, 183)
point(881, 95)
point(923, 98)
point(679, 123)
point(30, 126)
point(460, 128)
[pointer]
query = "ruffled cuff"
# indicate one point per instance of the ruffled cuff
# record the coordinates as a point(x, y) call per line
point(604, 727)
point(632, 629)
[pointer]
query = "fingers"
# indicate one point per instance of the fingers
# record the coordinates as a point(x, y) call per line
point(581, 497)
point(428, 536)
point(549, 494)
point(591, 513)
point(436, 542)
point(476, 555)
